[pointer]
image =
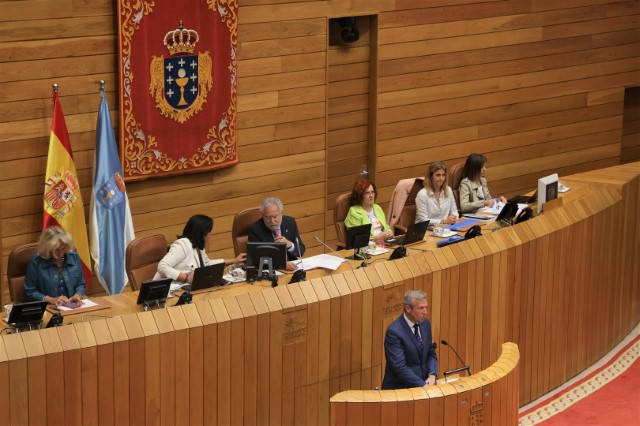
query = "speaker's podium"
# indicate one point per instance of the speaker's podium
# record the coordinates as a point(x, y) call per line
point(487, 397)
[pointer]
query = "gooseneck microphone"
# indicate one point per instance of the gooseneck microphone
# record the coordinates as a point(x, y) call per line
point(455, 370)
point(322, 242)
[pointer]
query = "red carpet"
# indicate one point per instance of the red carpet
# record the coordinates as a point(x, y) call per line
point(610, 395)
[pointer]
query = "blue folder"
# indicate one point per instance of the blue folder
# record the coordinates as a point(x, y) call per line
point(446, 241)
point(465, 223)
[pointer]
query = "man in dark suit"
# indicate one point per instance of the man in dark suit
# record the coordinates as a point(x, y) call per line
point(411, 358)
point(274, 227)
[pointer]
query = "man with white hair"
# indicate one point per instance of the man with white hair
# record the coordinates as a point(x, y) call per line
point(411, 357)
point(276, 227)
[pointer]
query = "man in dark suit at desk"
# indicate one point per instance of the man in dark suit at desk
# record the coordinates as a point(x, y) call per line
point(275, 227)
point(411, 357)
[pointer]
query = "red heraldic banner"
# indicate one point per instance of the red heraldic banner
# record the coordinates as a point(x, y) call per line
point(62, 198)
point(178, 95)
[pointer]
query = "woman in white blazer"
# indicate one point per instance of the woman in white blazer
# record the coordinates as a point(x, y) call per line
point(188, 252)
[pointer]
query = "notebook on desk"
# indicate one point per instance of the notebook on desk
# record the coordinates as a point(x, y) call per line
point(414, 234)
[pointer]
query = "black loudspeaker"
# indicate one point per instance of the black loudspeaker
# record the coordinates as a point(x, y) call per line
point(55, 321)
point(398, 253)
point(184, 299)
point(524, 215)
point(473, 232)
point(299, 275)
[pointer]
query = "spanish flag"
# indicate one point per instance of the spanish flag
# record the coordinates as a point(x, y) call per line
point(62, 199)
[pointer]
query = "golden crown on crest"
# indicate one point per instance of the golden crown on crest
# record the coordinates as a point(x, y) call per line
point(181, 40)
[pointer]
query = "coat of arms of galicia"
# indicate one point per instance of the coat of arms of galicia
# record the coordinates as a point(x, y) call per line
point(180, 83)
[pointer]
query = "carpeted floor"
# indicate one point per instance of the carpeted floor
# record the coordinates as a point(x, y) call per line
point(608, 393)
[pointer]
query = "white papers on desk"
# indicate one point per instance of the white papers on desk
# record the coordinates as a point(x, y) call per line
point(496, 209)
point(86, 303)
point(326, 261)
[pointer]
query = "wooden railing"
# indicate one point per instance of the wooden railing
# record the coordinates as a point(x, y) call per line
point(563, 286)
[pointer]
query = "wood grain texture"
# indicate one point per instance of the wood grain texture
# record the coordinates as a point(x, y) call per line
point(539, 86)
point(280, 354)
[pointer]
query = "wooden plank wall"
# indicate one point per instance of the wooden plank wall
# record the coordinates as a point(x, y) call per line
point(348, 114)
point(536, 84)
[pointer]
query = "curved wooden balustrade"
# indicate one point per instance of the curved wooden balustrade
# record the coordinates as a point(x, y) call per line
point(563, 286)
point(487, 397)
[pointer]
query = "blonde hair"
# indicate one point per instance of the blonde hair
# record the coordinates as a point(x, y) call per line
point(433, 168)
point(50, 240)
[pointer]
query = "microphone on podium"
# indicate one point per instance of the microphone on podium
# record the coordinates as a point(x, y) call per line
point(459, 369)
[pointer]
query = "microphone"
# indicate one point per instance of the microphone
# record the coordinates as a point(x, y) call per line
point(466, 367)
point(322, 242)
point(333, 251)
point(300, 274)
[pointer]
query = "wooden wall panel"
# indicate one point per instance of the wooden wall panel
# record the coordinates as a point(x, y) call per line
point(348, 114)
point(537, 85)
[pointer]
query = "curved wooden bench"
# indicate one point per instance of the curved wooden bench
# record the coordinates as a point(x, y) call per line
point(487, 397)
point(563, 286)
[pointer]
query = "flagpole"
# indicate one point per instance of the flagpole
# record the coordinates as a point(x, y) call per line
point(102, 85)
point(55, 91)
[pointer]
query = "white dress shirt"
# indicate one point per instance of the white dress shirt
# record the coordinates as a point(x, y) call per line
point(428, 207)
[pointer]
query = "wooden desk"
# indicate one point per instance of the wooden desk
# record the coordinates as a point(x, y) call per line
point(563, 286)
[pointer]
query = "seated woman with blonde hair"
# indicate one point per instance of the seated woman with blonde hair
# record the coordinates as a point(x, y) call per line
point(474, 192)
point(364, 210)
point(54, 273)
point(435, 202)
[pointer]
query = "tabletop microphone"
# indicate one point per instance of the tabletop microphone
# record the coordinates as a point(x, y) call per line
point(455, 370)
point(299, 274)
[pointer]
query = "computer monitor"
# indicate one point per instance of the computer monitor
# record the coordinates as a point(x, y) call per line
point(277, 252)
point(357, 238)
point(547, 190)
point(154, 293)
point(27, 314)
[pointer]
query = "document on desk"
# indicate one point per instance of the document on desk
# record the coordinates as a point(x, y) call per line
point(326, 261)
point(497, 208)
point(86, 303)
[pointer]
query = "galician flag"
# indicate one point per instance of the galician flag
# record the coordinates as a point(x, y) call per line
point(62, 199)
point(111, 227)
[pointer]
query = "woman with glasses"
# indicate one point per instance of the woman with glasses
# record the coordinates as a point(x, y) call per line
point(364, 210)
point(188, 252)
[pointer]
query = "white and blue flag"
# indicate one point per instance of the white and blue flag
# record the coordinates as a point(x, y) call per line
point(111, 227)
